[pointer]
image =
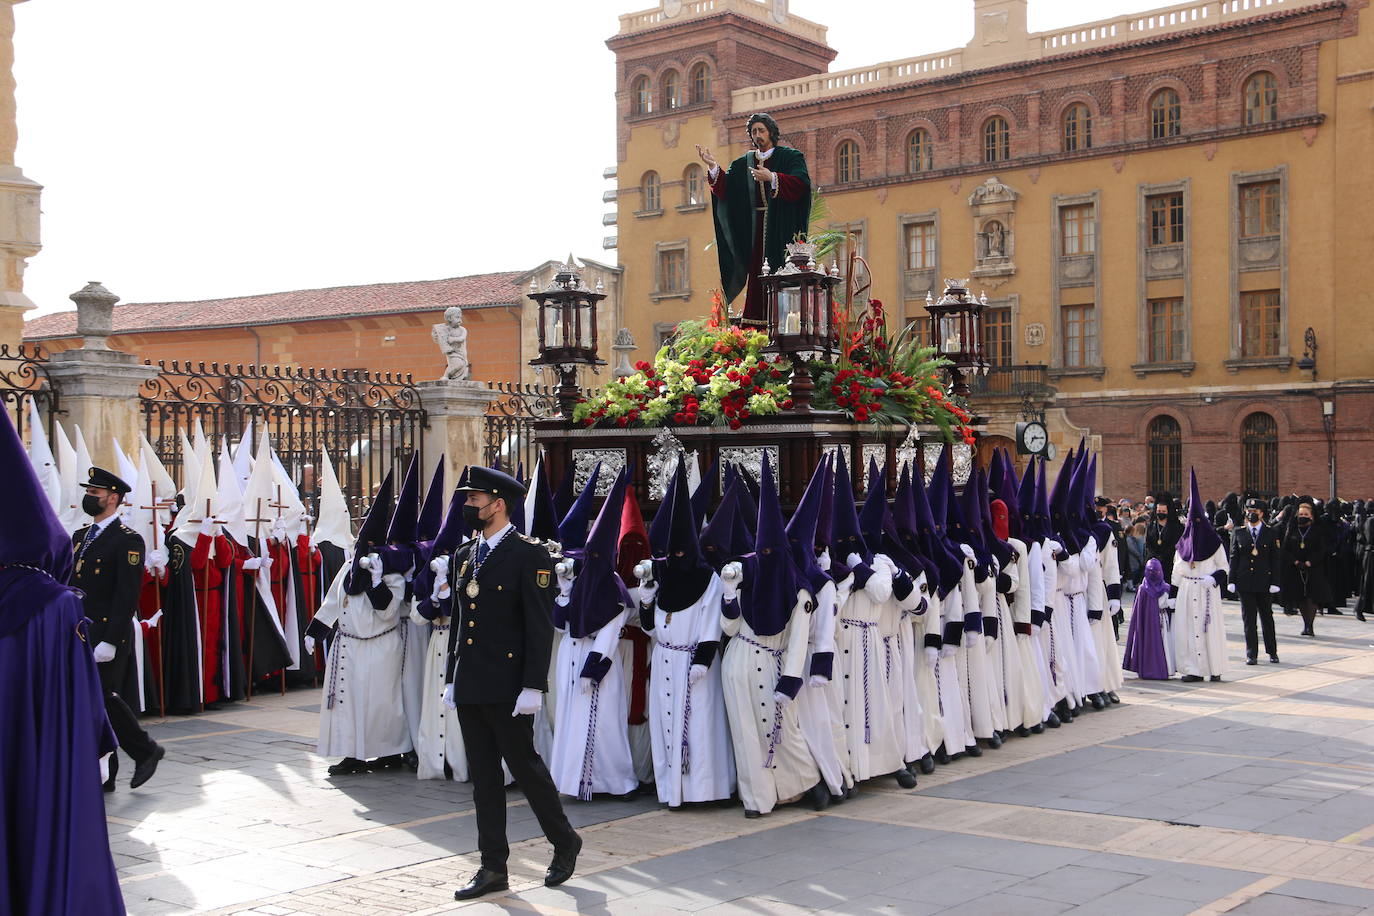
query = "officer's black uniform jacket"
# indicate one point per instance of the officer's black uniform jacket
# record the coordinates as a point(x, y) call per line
point(500, 641)
point(110, 574)
point(1255, 566)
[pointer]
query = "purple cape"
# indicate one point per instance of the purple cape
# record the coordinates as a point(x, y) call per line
point(1144, 637)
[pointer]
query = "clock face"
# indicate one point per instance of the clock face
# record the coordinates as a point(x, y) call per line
point(1034, 438)
point(1051, 452)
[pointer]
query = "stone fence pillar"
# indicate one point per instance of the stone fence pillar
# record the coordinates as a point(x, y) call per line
point(18, 197)
point(99, 386)
point(457, 429)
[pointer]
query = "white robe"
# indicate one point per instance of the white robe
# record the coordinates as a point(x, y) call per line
point(950, 697)
point(819, 707)
point(871, 711)
point(688, 733)
point(924, 662)
point(1104, 634)
point(361, 711)
point(971, 661)
point(591, 747)
point(440, 739)
point(1031, 711)
point(911, 715)
point(1053, 647)
point(1199, 624)
point(638, 734)
point(772, 762)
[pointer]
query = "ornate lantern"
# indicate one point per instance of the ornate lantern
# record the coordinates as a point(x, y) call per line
point(957, 330)
point(797, 300)
point(567, 330)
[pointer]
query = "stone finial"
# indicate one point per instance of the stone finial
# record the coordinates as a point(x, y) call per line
point(624, 345)
point(94, 315)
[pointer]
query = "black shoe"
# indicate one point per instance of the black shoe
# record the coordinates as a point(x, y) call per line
point(563, 864)
point(927, 764)
point(1335, 611)
point(995, 741)
point(973, 750)
point(1022, 731)
point(1273, 659)
point(484, 882)
point(146, 767)
point(109, 784)
point(1216, 678)
point(1308, 632)
point(1190, 679)
point(1287, 612)
point(905, 779)
point(1039, 728)
point(1097, 701)
point(1251, 661)
point(1359, 615)
point(349, 766)
point(941, 755)
point(1112, 697)
point(820, 796)
point(628, 796)
point(383, 764)
point(750, 813)
point(1052, 720)
point(411, 761)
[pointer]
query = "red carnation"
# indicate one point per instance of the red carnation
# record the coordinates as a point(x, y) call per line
point(861, 414)
point(734, 423)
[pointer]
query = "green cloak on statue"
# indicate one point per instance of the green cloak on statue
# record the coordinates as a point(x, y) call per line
point(736, 216)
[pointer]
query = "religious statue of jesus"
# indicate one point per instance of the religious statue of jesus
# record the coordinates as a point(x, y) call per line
point(760, 203)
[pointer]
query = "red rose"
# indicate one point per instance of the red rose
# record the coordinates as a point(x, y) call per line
point(861, 414)
point(787, 404)
point(734, 423)
point(679, 417)
point(621, 421)
point(744, 413)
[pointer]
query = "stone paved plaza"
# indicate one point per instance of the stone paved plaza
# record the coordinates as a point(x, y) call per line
point(1254, 796)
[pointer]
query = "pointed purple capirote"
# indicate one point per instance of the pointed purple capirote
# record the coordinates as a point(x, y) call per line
point(683, 573)
point(999, 548)
point(663, 518)
point(563, 496)
point(1027, 505)
point(771, 583)
point(701, 496)
point(1199, 540)
point(572, 530)
point(825, 516)
point(406, 515)
point(598, 594)
point(801, 531)
point(432, 511)
point(717, 536)
point(371, 536)
point(949, 562)
point(846, 537)
point(873, 518)
point(543, 521)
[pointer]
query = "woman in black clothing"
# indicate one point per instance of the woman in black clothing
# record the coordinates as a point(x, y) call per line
point(1162, 534)
point(1364, 602)
point(1305, 548)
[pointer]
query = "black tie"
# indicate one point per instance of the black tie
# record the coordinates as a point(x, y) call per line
point(482, 551)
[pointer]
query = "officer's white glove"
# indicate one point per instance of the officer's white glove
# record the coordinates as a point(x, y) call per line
point(151, 622)
point(207, 527)
point(1273, 589)
point(781, 698)
point(103, 652)
point(448, 697)
point(156, 560)
point(374, 566)
point(254, 563)
point(528, 703)
point(818, 680)
point(696, 673)
point(1231, 587)
point(310, 645)
point(932, 656)
point(730, 577)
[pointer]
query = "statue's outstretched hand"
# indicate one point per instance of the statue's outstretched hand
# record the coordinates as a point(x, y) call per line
point(707, 157)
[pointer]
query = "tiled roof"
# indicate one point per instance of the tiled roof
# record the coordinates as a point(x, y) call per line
point(297, 305)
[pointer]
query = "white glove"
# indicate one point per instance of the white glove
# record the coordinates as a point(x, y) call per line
point(278, 531)
point(151, 622)
point(648, 591)
point(823, 561)
point(1273, 589)
point(730, 577)
point(156, 559)
point(103, 652)
point(207, 527)
point(310, 645)
point(781, 698)
point(818, 680)
point(972, 638)
point(265, 562)
point(448, 697)
point(442, 589)
point(967, 550)
point(696, 673)
point(1166, 603)
point(947, 651)
point(528, 703)
point(1113, 605)
point(587, 685)
point(853, 560)
point(254, 563)
point(374, 566)
point(932, 656)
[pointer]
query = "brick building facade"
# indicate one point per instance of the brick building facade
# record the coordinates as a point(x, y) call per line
point(1159, 207)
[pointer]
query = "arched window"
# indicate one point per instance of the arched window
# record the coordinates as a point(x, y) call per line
point(641, 96)
point(671, 88)
point(996, 140)
point(693, 186)
point(1078, 128)
point(1165, 455)
point(649, 192)
point(1259, 471)
point(1165, 117)
point(1261, 98)
point(700, 84)
point(847, 162)
point(918, 151)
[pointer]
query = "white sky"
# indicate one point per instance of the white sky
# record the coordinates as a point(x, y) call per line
point(194, 149)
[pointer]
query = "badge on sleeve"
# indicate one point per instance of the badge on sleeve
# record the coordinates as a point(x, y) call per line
point(134, 558)
point(541, 578)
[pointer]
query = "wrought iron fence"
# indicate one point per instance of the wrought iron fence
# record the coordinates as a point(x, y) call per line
point(370, 422)
point(510, 423)
point(24, 381)
point(1011, 381)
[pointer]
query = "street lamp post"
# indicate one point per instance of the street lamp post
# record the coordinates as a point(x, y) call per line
point(1308, 363)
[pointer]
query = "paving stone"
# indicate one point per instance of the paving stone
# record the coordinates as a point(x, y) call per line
point(1073, 884)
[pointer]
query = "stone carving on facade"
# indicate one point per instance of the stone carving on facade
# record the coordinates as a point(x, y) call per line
point(994, 235)
point(612, 462)
point(749, 457)
point(452, 339)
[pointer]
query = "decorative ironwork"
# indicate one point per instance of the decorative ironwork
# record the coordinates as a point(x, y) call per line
point(612, 461)
point(749, 457)
point(370, 422)
point(666, 451)
point(1012, 381)
point(871, 455)
point(510, 424)
point(24, 380)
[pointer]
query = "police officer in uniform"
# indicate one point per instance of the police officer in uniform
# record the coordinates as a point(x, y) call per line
point(498, 664)
point(109, 572)
point(1254, 578)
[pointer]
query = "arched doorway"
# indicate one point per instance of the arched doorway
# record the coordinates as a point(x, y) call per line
point(989, 444)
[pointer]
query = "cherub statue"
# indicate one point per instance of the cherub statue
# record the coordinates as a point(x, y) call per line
point(452, 339)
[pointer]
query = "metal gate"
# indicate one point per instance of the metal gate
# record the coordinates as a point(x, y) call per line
point(24, 380)
point(510, 420)
point(371, 422)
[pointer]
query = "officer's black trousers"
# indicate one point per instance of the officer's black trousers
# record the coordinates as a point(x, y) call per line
point(132, 738)
point(1258, 605)
point(491, 733)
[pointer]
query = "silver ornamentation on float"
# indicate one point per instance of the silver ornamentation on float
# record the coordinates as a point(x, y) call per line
point(907, 451)
point(664, 452)
point(932, 451)
point(584, 459)
point(963, 463)
point(749, 457)
point(869, 455)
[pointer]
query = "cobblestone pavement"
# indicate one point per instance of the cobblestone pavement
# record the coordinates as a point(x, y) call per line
point(1253, 796)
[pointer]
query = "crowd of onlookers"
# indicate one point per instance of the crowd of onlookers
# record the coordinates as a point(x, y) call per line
point(1342, 530)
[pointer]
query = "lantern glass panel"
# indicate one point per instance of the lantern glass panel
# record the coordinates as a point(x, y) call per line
point(951, 340)
point(553, 325)
point(584, 324)
point(789, 310)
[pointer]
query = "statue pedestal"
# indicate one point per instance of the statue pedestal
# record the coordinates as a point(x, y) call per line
point(100, 394)
point(455, 412)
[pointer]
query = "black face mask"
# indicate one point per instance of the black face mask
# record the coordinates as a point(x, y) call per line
point(472, 516)
point(1162, 517)
point(1304, 521)
point(1254, 517)
point(91, 505)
